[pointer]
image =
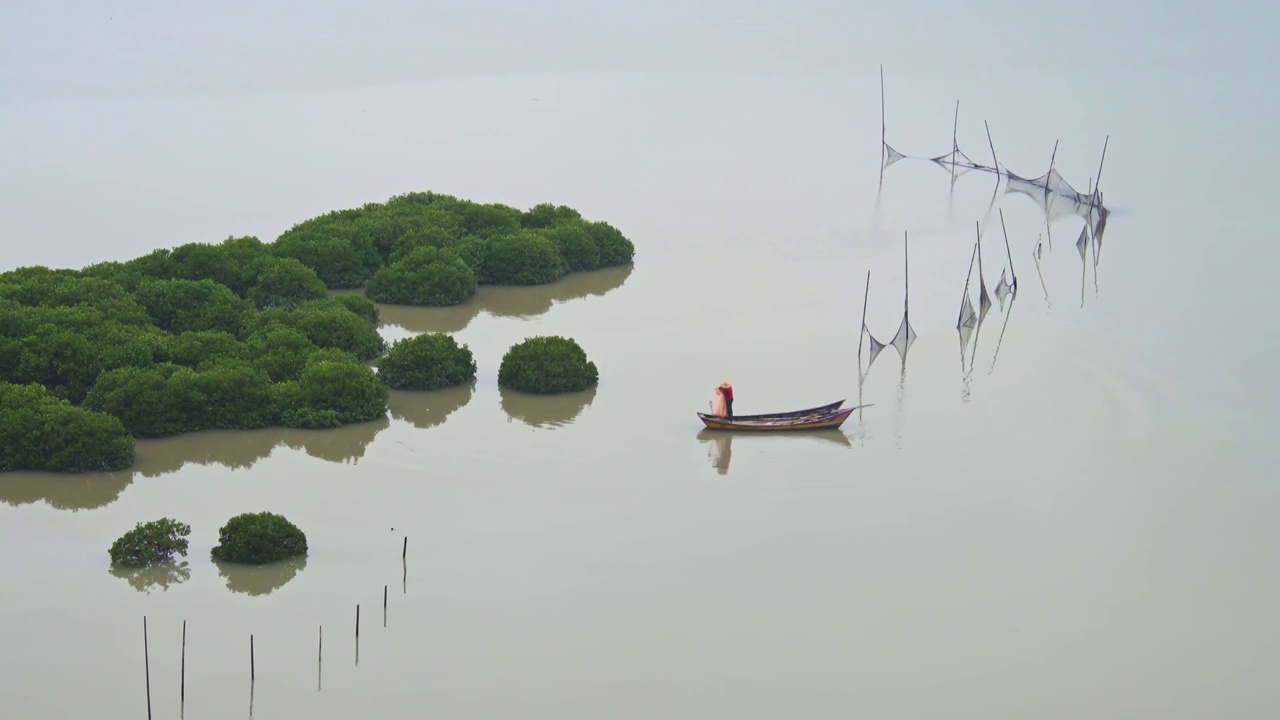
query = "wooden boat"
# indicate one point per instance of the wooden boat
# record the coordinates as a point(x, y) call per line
point(829, 407)
point(814, 421)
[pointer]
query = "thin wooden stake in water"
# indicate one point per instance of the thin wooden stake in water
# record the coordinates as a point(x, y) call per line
point(863, 329)
point(357, 621)
point(1007, 251)
point(404, 552)
point(995, 162)
point(1052, 159)
point(252, 669)
point(146, 661)
point(384, 606)
point(955, 134)
point(183, 691)
point(883, 152)
point(320, 658)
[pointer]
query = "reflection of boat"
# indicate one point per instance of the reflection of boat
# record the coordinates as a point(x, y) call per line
point(829, 407)
point(816, 421)
point(723, 439)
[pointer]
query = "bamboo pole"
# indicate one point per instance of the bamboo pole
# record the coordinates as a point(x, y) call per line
point(1007, 251)
point(183, 690)
point(862, 330)
point(883, 132)
point(146, 661)
point(994, 161)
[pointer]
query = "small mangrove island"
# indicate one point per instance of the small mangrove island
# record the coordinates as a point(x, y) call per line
point(244, 334)
point(547, 365)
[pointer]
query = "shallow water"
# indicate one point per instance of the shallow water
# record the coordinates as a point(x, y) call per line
point(1076, 518)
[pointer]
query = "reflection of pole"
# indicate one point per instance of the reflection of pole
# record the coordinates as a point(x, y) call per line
point(182, 697)
point(146, 661)
point(863, 329)
point(906, 286)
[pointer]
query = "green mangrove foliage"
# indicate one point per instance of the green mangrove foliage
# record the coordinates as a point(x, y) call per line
point(547, 365)
point(379, 246)
point(90, 359)
point(432, 361)
point(245, 334)
point(423, 276)
point(259, 538)
point(150, 543)
point(41, 432)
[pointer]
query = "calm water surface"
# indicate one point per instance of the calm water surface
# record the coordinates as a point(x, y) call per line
point(1072, 515)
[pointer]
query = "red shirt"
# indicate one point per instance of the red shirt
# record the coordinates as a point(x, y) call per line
point(728, 393)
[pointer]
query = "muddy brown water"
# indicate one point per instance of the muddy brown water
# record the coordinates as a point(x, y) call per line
point(1074, 515)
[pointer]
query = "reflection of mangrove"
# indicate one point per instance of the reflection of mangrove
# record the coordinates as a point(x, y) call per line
point(431, 408)
point(545, 411)
point(233, 449)
point(260, 579)
point(720, 442)
point(150, 577)
point(62, 491)
point(507, 301)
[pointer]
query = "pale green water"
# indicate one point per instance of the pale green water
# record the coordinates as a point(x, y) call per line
point(1084, 527)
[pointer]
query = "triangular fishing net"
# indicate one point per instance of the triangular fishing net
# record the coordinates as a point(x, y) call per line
point(1053, 205)
point(966, 333)
point(957, 158)
point(904, 337)
point(968, 318)
point(1003, 288)
point(891, 156)
point(1082, 243)
point(873, 349)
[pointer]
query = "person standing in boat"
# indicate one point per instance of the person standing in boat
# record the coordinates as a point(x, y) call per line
point(726, 390)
